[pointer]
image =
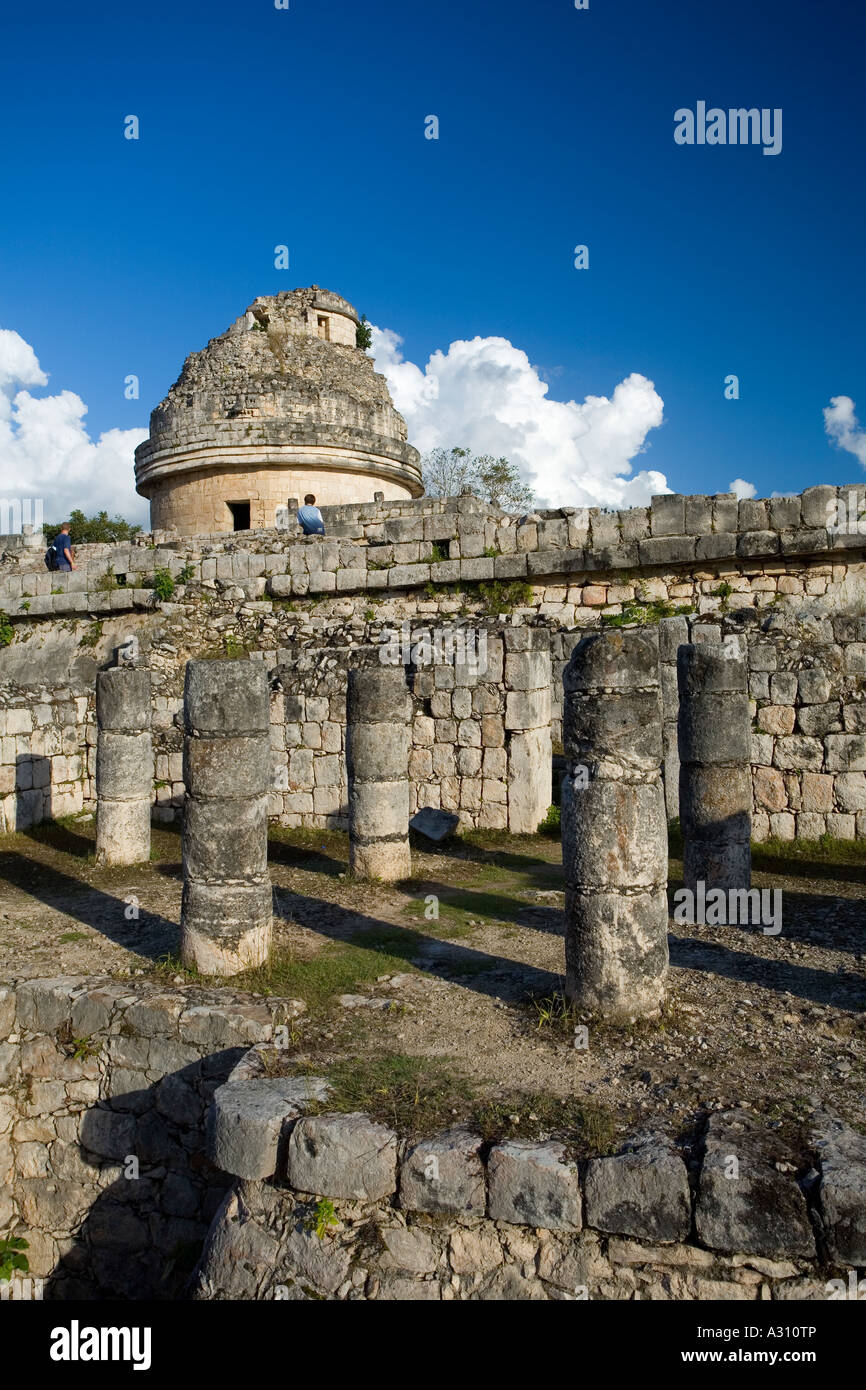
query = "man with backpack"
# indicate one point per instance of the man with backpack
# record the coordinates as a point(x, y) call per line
point(60, 555)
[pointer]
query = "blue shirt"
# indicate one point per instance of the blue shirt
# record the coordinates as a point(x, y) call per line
point(311, 521)
point(60, 544)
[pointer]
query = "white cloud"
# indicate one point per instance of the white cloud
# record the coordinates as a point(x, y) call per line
point(487, 396)
point(843, 427)
point(742, 488)
point(46, 451)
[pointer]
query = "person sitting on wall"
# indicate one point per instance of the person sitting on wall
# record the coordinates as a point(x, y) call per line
point(310, 518)
point(64, 556)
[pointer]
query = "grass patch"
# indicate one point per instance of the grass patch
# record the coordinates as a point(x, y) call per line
point(586, 1127)
point(420, 1096)
point(338, 968)
point(826, 850)
point(414, 1095)
point(69, 936)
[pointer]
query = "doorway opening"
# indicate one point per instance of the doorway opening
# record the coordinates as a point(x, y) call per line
point(240, 515)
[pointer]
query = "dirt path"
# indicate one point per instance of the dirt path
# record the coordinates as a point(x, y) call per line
point(771, 1022)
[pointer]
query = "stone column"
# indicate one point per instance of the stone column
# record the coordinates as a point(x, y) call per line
point(527, 726)
point(124, 766)
point(673, 633)
point(227, 907)
point(714, 736)
point(614, 828)
point(378, 728)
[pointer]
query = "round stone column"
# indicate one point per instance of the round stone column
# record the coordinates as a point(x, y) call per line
point(124, 766)
point(714, 738)
point(227, 906)
point(378, 726)
point(614, 827)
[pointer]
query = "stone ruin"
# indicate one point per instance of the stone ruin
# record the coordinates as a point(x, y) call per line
point(749, 708)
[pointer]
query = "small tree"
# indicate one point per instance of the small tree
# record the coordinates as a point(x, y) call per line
point(363, 334)
point(446, 472)
point(95, 530)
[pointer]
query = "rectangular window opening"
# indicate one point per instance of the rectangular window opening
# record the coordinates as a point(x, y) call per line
point(240, 515)
point(324, 327)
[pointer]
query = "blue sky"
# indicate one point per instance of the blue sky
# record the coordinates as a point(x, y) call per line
point(306, 127)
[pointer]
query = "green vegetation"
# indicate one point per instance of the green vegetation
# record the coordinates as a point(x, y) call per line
point(503, 596)
point(107, 582)
point(11, 1257)
point(83, 1049)
point(413, 1094)
point(232, 648)
point(363, 333)
point(25, 604)
point(825, 850)
point(323, 1215)
point(339, 967)
point(163, 585)
point(447, 472)
point(94, 530)
point(645, 612)
point(68, 937)
point(552, 823)
point(186, 574)
point(419, 1095)
point(7, 631)
point(91, 636)
point(438, 553)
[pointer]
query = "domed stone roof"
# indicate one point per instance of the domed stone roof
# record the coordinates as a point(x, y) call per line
point(286, 386)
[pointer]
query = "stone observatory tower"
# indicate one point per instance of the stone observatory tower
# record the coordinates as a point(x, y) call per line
point(280, 405)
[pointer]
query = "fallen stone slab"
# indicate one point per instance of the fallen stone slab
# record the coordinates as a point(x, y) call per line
point(842, 1191)
point(433, 823)
point(444, 1173)
point(533, 1184)
point(363, 1001)
point(248, 1120)
point(642, 1193)
point(342, 1156)
point(745, 1205)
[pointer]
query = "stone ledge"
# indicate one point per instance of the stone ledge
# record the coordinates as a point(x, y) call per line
point(753, 1210)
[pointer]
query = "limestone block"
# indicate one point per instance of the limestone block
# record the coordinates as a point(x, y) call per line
point(444, 1174)
point(226, 697)
point(842, 1193)
point(533, 1184)
point(45, 1005)
point(527, 709)
point(643, 1193)
point(845, 752)
point(345, 1156)
point(744, 1203)
point(248, 1122)
point(668, 515)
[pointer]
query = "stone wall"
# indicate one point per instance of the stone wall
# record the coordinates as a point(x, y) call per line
point(309, 608)
point(451, 1217)
point(104, 1085)
point(47, 754)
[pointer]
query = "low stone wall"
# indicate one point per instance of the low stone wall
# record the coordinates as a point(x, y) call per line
point(47, 754)
point(583, 559)
point(734, 1215)
point(104, 1086)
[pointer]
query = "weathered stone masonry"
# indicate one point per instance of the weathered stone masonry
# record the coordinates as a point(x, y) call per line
point(226, 915)
point(807, 653)
point(379, 710)
point(124, 766)
point(715, 783)
point(614, 829)
point(448, 1217)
